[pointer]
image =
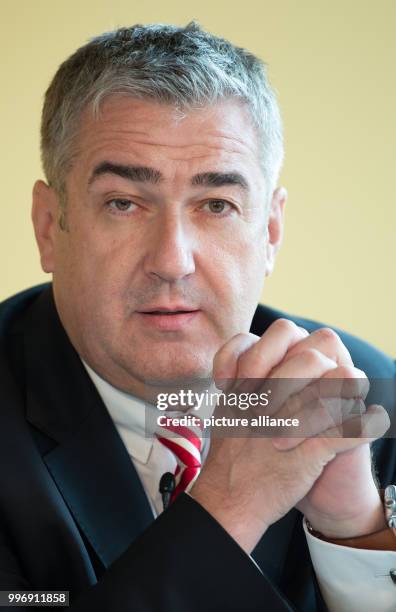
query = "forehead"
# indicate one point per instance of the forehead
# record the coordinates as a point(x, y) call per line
point(128, 129)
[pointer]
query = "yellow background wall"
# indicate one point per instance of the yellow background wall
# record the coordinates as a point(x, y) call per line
point(333, 65)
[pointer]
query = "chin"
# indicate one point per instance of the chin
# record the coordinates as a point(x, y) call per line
point(168, 368)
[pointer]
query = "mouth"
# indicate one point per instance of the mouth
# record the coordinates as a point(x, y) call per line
point(166, 312)
point(168, 319)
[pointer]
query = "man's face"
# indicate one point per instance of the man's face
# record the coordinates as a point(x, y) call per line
point(166, 249)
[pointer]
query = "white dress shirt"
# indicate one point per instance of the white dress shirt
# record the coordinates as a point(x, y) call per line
point(350, 579)
point(149, 456)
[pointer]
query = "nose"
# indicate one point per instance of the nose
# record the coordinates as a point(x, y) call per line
point(170, 252)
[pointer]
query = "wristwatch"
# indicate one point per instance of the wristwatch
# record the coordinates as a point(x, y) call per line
point(390, 506)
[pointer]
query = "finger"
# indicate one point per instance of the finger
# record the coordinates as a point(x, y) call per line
point(225, 361)
point(249, 356)
point(328, 342)
point(316, 418)
point(250, 375)
point(270, 350)
point(297, 397)
point(345, 382)
point(309, 364)
point(333, 399)
point(292, 377)
point(372, 425)
point(348, 381)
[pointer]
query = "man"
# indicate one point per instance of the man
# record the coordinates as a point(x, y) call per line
point(159, 220)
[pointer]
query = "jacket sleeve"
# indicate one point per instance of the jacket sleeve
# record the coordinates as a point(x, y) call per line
point(183, 561)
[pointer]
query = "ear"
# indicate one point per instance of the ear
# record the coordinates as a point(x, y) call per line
point(275, 227)
point(45, 213)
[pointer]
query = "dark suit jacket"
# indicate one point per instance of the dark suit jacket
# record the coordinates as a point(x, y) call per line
point(74, 515)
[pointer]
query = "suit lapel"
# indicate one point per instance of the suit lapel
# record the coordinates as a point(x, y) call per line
point(99, 483)
point(88, 461)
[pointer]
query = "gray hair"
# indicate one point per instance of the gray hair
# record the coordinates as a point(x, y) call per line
point(183, 66)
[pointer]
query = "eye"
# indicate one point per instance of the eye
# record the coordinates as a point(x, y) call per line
point(218, 207)
point(120, 205)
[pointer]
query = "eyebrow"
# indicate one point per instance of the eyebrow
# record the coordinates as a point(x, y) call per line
point(145, 174)
point(220, 179)
point(141, 174)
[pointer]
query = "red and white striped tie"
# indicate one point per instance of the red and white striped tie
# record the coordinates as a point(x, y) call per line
point(186, 444)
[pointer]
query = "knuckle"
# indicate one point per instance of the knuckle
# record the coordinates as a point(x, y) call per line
point(285, 325)
point(329, 336)
point(312, 357)
point(244, 344)
point(243, 337)
point(226, 348)
point(233, 344)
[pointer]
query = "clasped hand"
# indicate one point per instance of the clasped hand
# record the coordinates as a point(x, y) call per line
point(248, 483)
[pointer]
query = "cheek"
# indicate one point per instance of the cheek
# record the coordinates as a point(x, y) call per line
point(241, 258)
point(236, 268)
point(95, 272)
point(101, 255)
